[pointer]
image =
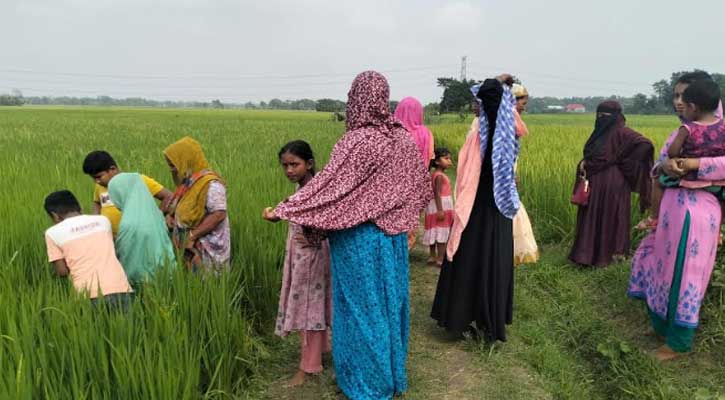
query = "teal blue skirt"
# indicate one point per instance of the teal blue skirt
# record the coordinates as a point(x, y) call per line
point(370, 303)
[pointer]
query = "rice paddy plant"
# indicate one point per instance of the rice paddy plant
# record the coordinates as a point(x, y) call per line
point(186, 336)
point(190, 336)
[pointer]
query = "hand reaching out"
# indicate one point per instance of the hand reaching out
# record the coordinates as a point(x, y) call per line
point(269, 215)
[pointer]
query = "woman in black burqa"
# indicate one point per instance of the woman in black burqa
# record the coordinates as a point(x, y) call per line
point(477, 285)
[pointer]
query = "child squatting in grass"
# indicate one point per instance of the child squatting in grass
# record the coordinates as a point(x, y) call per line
point(81, 246)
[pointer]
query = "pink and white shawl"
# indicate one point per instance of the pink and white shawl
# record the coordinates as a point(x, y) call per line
point(468, 173)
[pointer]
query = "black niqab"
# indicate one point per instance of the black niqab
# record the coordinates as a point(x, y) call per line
point(602, 128)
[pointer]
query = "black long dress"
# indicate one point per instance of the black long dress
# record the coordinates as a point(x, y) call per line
point(478, 284)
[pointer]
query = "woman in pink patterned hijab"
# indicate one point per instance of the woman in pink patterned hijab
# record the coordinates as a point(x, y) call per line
point(366, 198)
point(374, 173)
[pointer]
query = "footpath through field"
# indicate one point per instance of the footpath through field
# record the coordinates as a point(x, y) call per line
point(575, 336)
point(439, 367)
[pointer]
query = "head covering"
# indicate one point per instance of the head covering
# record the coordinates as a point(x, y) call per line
point(194, 176)
point(187, 156)
point(497, 119)
point(603, 126)
point(142, 243)
point(374, 173)
point(612, 144)
point(497, 105)
point(410, 112)
point(519, 91)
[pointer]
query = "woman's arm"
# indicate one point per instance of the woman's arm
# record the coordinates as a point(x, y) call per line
point(208, 224)
point(165, 196)
point(708, 168)
point(216, 205)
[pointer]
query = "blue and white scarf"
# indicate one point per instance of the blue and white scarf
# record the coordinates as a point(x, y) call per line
point(504, 153)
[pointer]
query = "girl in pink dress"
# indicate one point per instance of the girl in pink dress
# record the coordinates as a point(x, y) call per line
point(439, 214)
point(305, 303)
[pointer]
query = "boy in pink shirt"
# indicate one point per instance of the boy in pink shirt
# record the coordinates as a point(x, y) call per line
point(82, 246)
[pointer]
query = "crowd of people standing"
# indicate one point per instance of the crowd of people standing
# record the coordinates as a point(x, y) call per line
point(353, 223)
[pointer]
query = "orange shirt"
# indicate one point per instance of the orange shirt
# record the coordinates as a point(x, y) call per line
point(86, 244)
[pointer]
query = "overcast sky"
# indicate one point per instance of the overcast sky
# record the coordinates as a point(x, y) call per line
point(257, 50)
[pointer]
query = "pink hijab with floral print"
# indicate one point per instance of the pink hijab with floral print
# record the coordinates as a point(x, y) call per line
point(374, 173)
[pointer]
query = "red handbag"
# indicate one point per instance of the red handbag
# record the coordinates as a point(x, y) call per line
point(580, 197)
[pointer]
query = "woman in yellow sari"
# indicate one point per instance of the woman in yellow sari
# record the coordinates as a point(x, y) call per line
point(198, 210)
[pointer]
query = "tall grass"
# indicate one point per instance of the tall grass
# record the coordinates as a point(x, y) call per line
point(186, 337)
point(193, 337)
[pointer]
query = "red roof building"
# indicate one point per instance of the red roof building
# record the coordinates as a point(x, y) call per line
point(577, 108)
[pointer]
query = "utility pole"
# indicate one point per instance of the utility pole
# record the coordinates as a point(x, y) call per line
point(463, 68)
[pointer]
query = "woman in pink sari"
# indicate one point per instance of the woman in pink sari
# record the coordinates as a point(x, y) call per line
point(410, 112)
point(671, 269)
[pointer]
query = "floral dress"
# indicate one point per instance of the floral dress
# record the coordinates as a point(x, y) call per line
point(305, 298)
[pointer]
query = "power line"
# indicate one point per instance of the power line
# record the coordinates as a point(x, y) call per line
point(570, 78)
point(215, 76)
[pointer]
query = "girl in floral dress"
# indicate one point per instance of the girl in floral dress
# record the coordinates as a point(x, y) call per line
point(305, 298)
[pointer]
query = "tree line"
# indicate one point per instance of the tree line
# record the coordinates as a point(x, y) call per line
point(16, 98)
point(456, 98)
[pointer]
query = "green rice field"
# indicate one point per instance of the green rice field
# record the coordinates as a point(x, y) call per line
point(575, 334)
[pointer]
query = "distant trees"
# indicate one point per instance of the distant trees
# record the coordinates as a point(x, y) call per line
point(329, 105)
point(456, 98)
point(456, 94)
point(15, 98)
point(665, 87)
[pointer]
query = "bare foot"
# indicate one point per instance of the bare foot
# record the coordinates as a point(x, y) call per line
point(653, 333)
point(431, 260)
point(665, 353)
point(298, 379)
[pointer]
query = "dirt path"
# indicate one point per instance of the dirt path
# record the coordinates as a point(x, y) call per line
point(439, 367)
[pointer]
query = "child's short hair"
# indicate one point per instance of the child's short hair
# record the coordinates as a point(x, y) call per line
point(61, 202)
point(299, 148)
point(98, 161)
point(439, 152)
point(705, 94)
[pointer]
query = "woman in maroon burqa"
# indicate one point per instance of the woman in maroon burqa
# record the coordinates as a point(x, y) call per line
point(617, 161)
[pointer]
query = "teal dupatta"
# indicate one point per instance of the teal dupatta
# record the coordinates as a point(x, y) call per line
point(142, 244)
